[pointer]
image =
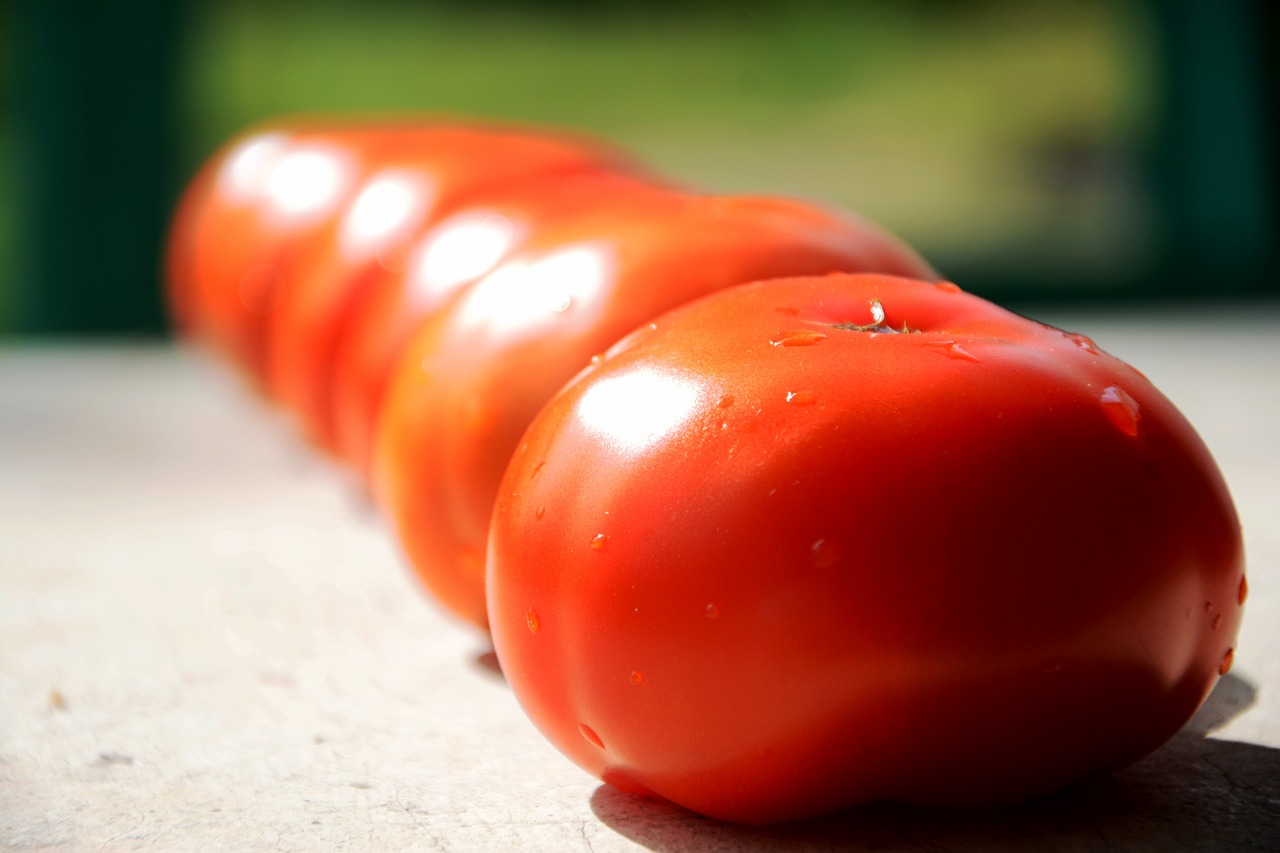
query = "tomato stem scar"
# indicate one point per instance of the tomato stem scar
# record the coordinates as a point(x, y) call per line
point(877, 324)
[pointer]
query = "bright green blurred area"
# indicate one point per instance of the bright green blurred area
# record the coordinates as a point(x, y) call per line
point(1031, 150)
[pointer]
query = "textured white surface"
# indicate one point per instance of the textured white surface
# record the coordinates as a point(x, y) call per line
point(208, 642)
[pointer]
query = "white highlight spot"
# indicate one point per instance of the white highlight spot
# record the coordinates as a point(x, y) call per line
point(523, 293)
point(244, 171)
point(459, 250)
point(389, 202)
point(305, 181)
point(635, 410)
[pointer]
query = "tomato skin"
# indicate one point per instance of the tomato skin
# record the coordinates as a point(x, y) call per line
point(267, 212)
point(180, 248)
point(964, 566)
point(467, 238)
point(242, 224)
point(407, 184)
point(478, 371)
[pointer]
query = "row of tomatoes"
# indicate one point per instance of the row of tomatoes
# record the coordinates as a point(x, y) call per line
point(764, 549)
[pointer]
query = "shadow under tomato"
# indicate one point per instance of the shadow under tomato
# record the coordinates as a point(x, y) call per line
point(1194, 793)
point(487, 662)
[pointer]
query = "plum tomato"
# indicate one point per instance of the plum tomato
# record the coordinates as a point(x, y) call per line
point(404, 190)
point(477, 372)
point(809, 543)
point(238, 227)
point(464, 241)
point(273, 197)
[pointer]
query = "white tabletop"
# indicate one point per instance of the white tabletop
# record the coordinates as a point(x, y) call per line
point(208, 641)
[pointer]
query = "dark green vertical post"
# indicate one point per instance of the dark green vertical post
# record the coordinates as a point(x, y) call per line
point(1215, 149)
point(94, 88)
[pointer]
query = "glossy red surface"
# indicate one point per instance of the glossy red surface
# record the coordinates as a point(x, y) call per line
point(475, 375)
point(817, 542)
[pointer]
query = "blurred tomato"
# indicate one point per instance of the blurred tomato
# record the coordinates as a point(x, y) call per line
point(467, 241)
point(477, 372)
point(240, 224)
point(406, 186)
point(258, 214)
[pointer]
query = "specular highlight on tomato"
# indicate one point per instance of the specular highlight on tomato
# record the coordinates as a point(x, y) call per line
point(815, 542)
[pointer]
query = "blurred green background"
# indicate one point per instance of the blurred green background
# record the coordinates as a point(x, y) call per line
point(1033, 151)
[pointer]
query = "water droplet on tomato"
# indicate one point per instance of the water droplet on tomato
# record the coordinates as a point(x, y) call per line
point(790, 312)
point(637, 677)
point(535, 623)
point(801, 398)
point(537, 469)
point(948, 287)
point(950, 349)
point(539, 513)
point(797, 338)
point(877, 313)
point(591, 737)
point(1083, 343)
point(726, 401)
point(600, 542)
point(825, 553)
point(1121, 409)
point(1227, 660)
point(1208, 606)
point(1244, 588)
point(1217, 622)
point(597, 358)
point(712, 611)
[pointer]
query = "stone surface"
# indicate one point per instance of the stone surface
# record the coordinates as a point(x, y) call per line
point(208, 642)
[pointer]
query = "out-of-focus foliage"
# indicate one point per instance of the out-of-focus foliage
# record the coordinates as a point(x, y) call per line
point(1027, 148)
point(974, 130)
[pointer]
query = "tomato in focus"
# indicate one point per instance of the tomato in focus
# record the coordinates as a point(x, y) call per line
point(809, 543)
point(478, 371)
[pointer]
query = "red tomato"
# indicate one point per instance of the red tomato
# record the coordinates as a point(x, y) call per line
point(479, 370)
point(400, 193)
point(272, 198)
point(180, 249)
point(237, 229)
point(465, 241)
point(809, 543)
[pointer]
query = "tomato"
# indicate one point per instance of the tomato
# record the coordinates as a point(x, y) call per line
point(237, 227)
point(810, 543)
point(255, 218)
point(478, 371)
point(465, 241)
point(404, 189)
point(220, 200)
point(180, 249)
